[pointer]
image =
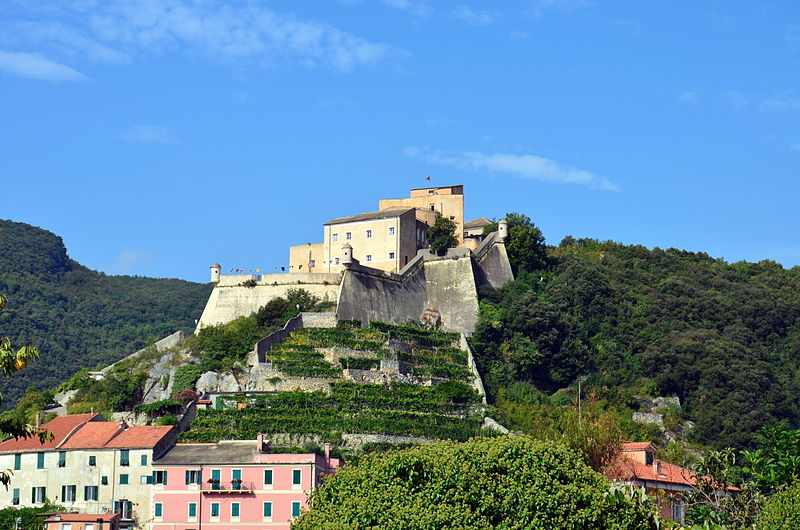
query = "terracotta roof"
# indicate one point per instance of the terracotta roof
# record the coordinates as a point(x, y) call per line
point(82, 517)
point(141, 436)
point(382, 214)
point(637, 446)
point(624, 468)
point(61, 427)
point(96, 434)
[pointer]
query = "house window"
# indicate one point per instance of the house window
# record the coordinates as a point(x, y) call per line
point(89, 526)
point(295, 509)
point(236, 479)
point(38, 495)
point(214, 509)
point(145, 479)
point(124, 508)
point(39, 460)
point(92, 460)
point(369, 234)
point(158, 509)
point(268, 477)
point(391, 255)
point(348, 235)
point(124, 457)
point(678, 510)
point(17, 462)
point(159, 477)
point(391, 230)
point(90, 493)
point(68, 493)
point(267, 509)
point(296, 477)
point(15, 497)
point(648, 458)
point(369, 257)
point(193, 476)
point(143, 460)
point(337, 261)
point(123, 478)
point(66, 526)
point(334, 237)
point(192, 509)
point(104, 480)
point(216, 475)
point(62, 458)
point(234, 509)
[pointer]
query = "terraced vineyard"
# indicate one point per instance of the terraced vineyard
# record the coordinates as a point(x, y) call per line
point(447, 408)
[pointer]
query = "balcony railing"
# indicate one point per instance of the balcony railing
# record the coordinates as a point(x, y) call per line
point(228, 487)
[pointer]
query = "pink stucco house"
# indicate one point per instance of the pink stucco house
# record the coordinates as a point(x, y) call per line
point(232, 485)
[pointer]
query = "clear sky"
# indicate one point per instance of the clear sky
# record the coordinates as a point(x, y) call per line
point(159, 136)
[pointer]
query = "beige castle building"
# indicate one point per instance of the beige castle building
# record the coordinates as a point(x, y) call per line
point(390, 237)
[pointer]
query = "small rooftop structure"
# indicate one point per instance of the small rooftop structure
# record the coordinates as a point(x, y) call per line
point(101, 521)
point(369, 216)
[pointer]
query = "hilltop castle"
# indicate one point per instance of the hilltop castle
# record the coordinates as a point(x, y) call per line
point(376, 266)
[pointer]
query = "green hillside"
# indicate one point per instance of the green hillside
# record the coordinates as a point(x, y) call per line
point(78, 317)
point(723, 337)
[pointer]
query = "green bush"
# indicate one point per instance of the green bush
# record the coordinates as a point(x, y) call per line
point(782, 510)
point(507, 482)
point(185, 377)
point(167, 419)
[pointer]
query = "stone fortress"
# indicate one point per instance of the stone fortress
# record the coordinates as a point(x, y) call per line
point(376, 266)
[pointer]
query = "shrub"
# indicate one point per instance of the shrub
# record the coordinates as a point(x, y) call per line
point(782, 510)
point(506, 482)
point(167, 419)
point(186, 377)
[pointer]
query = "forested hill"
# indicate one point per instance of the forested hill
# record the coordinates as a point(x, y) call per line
point(724, 337)
point(78, 317)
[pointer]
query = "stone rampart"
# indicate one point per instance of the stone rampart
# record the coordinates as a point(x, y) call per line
point(491, 262)
point(230, 300)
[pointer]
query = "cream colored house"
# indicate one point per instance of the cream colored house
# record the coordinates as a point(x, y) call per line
point(389, 238)
point(90, 466)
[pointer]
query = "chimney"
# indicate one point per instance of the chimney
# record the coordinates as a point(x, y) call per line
point(327, 447)
point(260, 443)
point(658, 468)
point(38, 419)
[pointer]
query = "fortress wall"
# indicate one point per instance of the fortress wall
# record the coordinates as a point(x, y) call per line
point(445, 284)
point(493, 268)
point(227, 303)
point(366, 296)
point(232, 280)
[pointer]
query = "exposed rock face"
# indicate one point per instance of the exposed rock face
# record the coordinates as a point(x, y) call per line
point(649, 417)
point(489, 423)
point(215, 382)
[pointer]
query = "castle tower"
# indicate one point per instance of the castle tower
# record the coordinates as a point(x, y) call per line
point(347, 255)
point(502, 229)
point(215, 271)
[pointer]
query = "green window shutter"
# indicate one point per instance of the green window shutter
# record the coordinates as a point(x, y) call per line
point(158, 509)
point(235, 509)
point(123, 478)
point(15, 497)
point(215, 474)
point(295, 509)
point(192, 509)
point(218, 404)
point(267, 509)
point(86, 494)
point(296, 476)
point(62, 458)
point(17, 462)
point(214, 509)
point(104, 480)
point(236, 474)
point(39, 460)
point(144, 460)
point(63, 492)
point(267, 476)
point(92, 460)
point(124, 457)
point(188, 477)
point(33, 495)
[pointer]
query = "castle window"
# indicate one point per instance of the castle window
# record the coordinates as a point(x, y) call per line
point(313, 263)
point(369, 234)
point(348, 235)
point(334, 237)
point(433, 207)
point(369, 257)
point(336, 262)
point(391, 255)
point(391, 230)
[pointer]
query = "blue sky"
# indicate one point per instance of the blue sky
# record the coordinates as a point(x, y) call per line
point(159, 136)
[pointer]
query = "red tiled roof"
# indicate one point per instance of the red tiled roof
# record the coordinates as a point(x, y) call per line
point(624, 468)
point(142, 436)
point(61, 427)
point(82, 517)
point(93, 435)
point(636, 446)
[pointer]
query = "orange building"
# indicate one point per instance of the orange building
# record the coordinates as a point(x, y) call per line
point(636, 464)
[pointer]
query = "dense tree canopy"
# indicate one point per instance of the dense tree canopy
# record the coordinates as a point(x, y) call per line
point(78, 317)
point(441, 235)
point(507, 482)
